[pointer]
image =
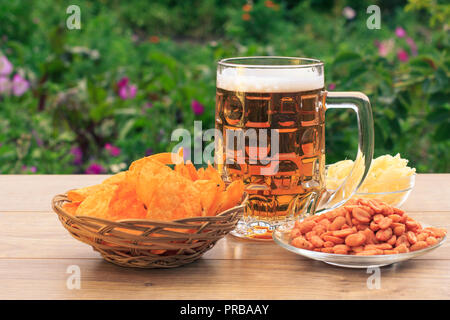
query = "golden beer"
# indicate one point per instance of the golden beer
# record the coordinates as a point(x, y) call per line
point(270, 113)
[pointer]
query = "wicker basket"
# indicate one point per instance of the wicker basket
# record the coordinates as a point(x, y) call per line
point(147, 243)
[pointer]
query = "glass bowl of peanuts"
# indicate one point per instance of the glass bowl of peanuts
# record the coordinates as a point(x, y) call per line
point(361, 234)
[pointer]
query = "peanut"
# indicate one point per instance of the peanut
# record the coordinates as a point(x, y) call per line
point(337, 223)
point(395, 217)
point(295, 233)
point(361, 215)
point(438, 232)
point(431, 240)
point(341, 249)
point(384, 235)
point(328, 250)
point(392, 240)
point(309, 234)
point(411, 236)
point(328, 244)
point(374, 226)
point(335, 240)
point(316, 241)
point(402, 240)
point(348, 219)
point(319, 229)
point(385, 223)
point(377, 218)
point(375, 206)
point(369, 252)
point(399, 230)
point(302, 243)
point(306, 226)
point(382, 246)
point(358, 249)
point(355, 240)
point(422, 236)
point(419, 245)
point(362, 226)
point(343, 233)
point(412, 225)
point(402, 248)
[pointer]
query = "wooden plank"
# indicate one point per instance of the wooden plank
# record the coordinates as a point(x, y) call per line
point(431, 193)
point(223, 279)
point(41, 235)
point(34, 192)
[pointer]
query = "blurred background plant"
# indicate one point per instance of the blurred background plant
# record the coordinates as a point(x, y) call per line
point(94, 99)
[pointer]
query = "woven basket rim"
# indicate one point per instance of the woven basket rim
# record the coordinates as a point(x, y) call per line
point(59, 199)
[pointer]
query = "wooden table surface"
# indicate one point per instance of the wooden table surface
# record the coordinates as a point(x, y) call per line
point(36, 253)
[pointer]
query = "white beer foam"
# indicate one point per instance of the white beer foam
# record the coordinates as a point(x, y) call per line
point(270, 80)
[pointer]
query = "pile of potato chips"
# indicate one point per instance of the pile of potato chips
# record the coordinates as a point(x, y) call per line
point(150, 189)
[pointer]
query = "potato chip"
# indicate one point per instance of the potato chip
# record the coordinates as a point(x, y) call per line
point(234, 194)
point(212, 174)
point(201, 174)
point(70, 207)
point(191, 170)
point(182, 170)
point(220, 201)
point(97, 204)
point(209, 192)
point(78, 195)
point(173, 197)
point(125, 203)
point(117, 178)
point(146, 181)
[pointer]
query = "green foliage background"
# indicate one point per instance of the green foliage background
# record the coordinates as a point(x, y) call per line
point(169, 49)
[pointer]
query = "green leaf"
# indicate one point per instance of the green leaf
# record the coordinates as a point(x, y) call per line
point(346, 57)
point(126, 128)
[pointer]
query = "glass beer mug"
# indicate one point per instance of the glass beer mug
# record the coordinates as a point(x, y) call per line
point(270, 116)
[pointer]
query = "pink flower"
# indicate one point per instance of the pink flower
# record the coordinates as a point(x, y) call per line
point(39, 141)
point(5, 85)
point(146, 106)
point(95, 168)
point(126, 90)
point(123, 82)
point(19, 85)
point(384, 47)
point(412, 46)
point(32, 169)
point(113, 150)
point(197, 107)
point(402, 55)
point(77, 155)
point(348, 13)
point(400, 32)
point(5, 66)
point(332, 86)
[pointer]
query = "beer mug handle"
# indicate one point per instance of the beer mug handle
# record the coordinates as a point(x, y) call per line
point(360, 103)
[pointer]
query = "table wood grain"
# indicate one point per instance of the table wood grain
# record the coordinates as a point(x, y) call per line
point(36, 252)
